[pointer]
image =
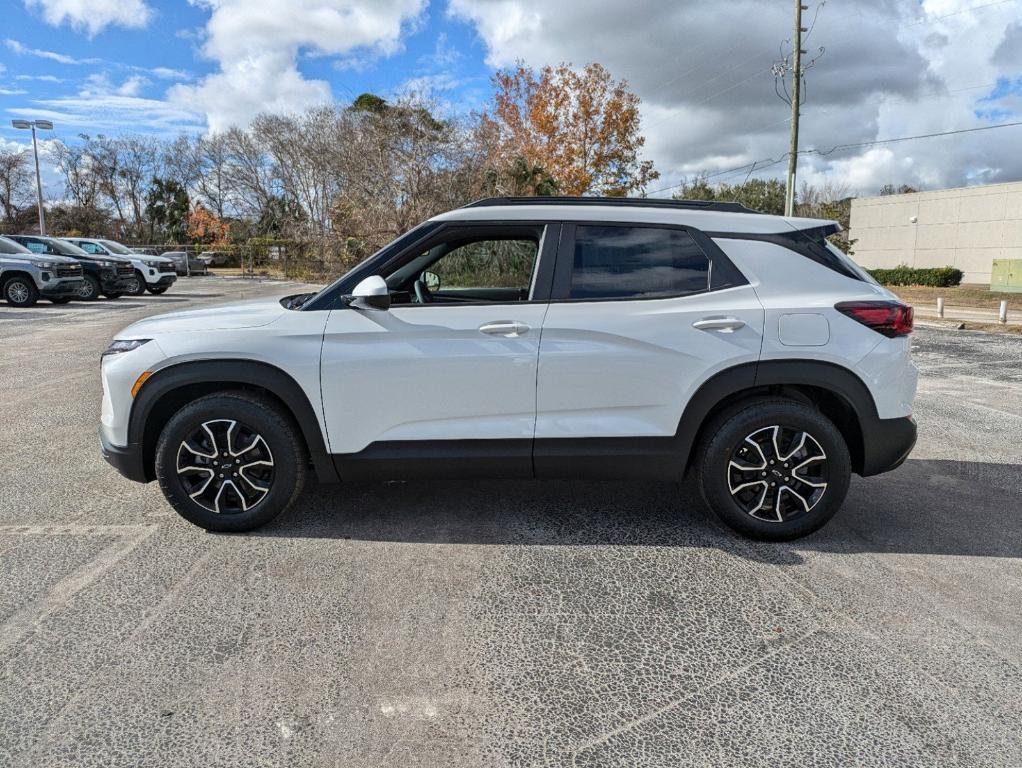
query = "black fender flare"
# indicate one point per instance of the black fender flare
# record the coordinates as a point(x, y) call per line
point(835, 379)
point(232, 372)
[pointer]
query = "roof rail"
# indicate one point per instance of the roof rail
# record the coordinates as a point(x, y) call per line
point(639, 202)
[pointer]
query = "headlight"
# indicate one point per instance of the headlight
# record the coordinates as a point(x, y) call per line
point(104, 263)
point(124, 345)
point(45, 264)
point(152, 264)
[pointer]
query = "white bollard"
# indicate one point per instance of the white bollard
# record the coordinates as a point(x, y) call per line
point(1002, 313)
point(940, 307)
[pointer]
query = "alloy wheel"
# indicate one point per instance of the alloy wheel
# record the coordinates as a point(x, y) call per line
point(17, 292)
point(225, 466)
point(777, 473)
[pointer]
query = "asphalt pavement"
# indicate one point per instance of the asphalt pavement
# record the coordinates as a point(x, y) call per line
point(503, 623)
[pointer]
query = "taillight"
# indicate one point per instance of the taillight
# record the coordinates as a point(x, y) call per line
point(890, 318)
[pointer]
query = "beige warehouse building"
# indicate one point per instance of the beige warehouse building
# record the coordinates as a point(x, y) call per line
point(967, 228)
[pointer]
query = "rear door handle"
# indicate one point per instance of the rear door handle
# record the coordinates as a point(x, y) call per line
point(724, 324)
point(508, 328)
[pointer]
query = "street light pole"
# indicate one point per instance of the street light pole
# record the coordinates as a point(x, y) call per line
point(33, 124)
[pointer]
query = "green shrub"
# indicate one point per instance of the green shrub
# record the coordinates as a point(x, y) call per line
point(935, 277)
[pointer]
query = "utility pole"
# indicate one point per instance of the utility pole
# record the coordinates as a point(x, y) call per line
point(796, 98)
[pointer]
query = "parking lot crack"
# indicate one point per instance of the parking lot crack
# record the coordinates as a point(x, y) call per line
point(675, 703)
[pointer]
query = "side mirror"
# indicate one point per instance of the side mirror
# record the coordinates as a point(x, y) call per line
point(431, 280)
point(371, 293)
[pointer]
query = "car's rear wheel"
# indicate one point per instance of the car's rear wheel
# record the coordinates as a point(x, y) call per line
point(230, 462)
point(774, 469)
point(20, 291)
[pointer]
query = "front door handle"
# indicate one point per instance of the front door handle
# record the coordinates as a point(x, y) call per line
point(724, 324)
point(510, 329)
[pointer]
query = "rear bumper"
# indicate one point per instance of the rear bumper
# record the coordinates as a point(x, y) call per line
point(886, 444)
point(126, 460)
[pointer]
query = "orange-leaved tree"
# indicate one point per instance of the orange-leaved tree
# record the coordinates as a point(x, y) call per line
point(581, 127)
point(206, 229)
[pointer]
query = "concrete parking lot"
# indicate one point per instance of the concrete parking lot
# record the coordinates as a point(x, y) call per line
point(503, 623)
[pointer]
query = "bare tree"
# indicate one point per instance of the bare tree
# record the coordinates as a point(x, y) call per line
point(15, 183)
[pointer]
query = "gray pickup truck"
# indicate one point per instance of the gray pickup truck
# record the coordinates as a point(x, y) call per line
point(26, 276)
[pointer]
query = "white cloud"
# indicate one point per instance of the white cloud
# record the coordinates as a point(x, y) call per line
point(40, 78)
point(93, 16)
point(258, 46)
point(101, 106)
point(23, 50)
point(891, 68)
point(166, 73)
point(132, 86)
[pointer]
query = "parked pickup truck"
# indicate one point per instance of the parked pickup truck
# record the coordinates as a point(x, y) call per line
point(25, 276)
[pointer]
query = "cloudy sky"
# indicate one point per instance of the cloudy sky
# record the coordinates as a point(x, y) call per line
point(890, 69)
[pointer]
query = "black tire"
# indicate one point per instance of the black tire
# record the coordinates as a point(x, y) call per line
point(779, 496)
point(156, 290)
point(280, 483)
point(113, 295)
point(90, 290)
point(60, 299)
point(20, 291)
point(138, 287)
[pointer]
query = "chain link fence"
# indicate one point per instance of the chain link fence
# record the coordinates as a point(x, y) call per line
point(304, 260)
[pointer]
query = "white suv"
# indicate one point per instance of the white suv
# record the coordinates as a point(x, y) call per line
point(535, 337)
point(152, 273)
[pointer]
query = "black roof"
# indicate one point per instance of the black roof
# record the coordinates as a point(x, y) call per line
point(638, 202)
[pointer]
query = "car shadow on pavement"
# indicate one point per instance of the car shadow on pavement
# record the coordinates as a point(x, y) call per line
point(924, 507)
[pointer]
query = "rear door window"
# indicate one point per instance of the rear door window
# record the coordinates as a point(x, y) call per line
point(627, 262)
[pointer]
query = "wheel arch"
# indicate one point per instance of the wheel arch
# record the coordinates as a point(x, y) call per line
point(169, 389)
point(7, 274)
point(837, 392)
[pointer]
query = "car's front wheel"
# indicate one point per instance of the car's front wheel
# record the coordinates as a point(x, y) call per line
point(90, 289)
point(230, 461)
point(20, 291)
point(156, 290)
point(774, 469)
point(136, 286)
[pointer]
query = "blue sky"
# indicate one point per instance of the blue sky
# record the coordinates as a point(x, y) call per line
point(118, 78)
point(892, 68)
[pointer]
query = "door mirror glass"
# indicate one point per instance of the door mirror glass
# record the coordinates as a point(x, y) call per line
point(431, 280)
point(371, 293)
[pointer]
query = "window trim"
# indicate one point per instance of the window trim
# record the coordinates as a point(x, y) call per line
point(542, 277)
point(718, 262)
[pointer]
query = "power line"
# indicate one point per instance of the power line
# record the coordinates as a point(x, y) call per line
point(958, 13)
point(764, 164)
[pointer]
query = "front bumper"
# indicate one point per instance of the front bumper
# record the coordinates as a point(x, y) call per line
point(61, 289)
point(886, 444)
point(126, 460)
point(163, 280)
point(111, 282)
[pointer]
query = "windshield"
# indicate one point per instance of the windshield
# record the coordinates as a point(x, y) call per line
point(64, 248)
point(9, 246)
point(364, 268)
point(110, 245)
